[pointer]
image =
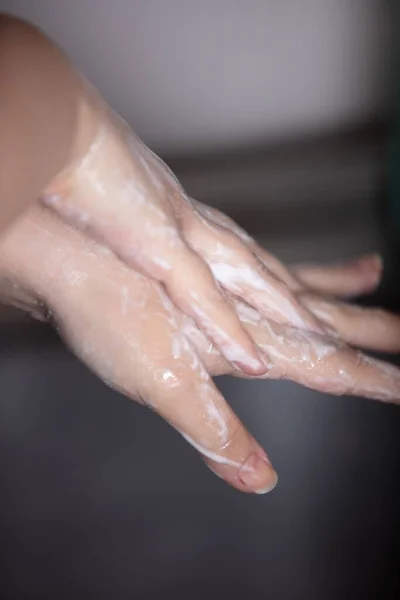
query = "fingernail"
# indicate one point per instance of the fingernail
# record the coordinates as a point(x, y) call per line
point(253, 366)
point(258, 474)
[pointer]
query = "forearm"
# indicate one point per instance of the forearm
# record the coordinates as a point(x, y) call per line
point(42, 105)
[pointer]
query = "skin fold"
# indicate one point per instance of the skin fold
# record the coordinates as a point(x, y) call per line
point(123, 325)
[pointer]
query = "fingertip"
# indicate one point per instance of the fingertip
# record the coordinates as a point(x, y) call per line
point(253, 367)
point(372, 261)
point(255, 476)
point(370, 268)
point(258, 474)
point(269, 488)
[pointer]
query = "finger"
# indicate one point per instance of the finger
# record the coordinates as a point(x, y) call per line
point(272, 263)
point(350, 278)
point(321, 363)
point(308, 359)
point(371, 328)
point(157, 361)
point(192, 287)
point(197, 410)
point(240, 272)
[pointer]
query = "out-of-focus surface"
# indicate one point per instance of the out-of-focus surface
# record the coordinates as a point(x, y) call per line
point(100, 498)
point(203, 75)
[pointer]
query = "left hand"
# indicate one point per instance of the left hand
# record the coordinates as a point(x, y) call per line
point(124, 196)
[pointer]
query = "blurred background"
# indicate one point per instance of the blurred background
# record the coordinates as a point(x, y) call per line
point(284, 115)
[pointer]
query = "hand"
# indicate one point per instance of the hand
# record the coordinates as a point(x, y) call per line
point(314, 286)
point(126, 198)
point(124, 327)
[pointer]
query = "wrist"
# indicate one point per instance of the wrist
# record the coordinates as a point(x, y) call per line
point(91, 110)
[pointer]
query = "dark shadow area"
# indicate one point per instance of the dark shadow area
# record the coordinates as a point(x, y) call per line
point(92, 507)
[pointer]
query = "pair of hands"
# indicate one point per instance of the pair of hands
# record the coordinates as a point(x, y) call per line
point(157, 293)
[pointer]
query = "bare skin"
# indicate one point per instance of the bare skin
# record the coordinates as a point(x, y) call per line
point(125, 328)
point(42, 121)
